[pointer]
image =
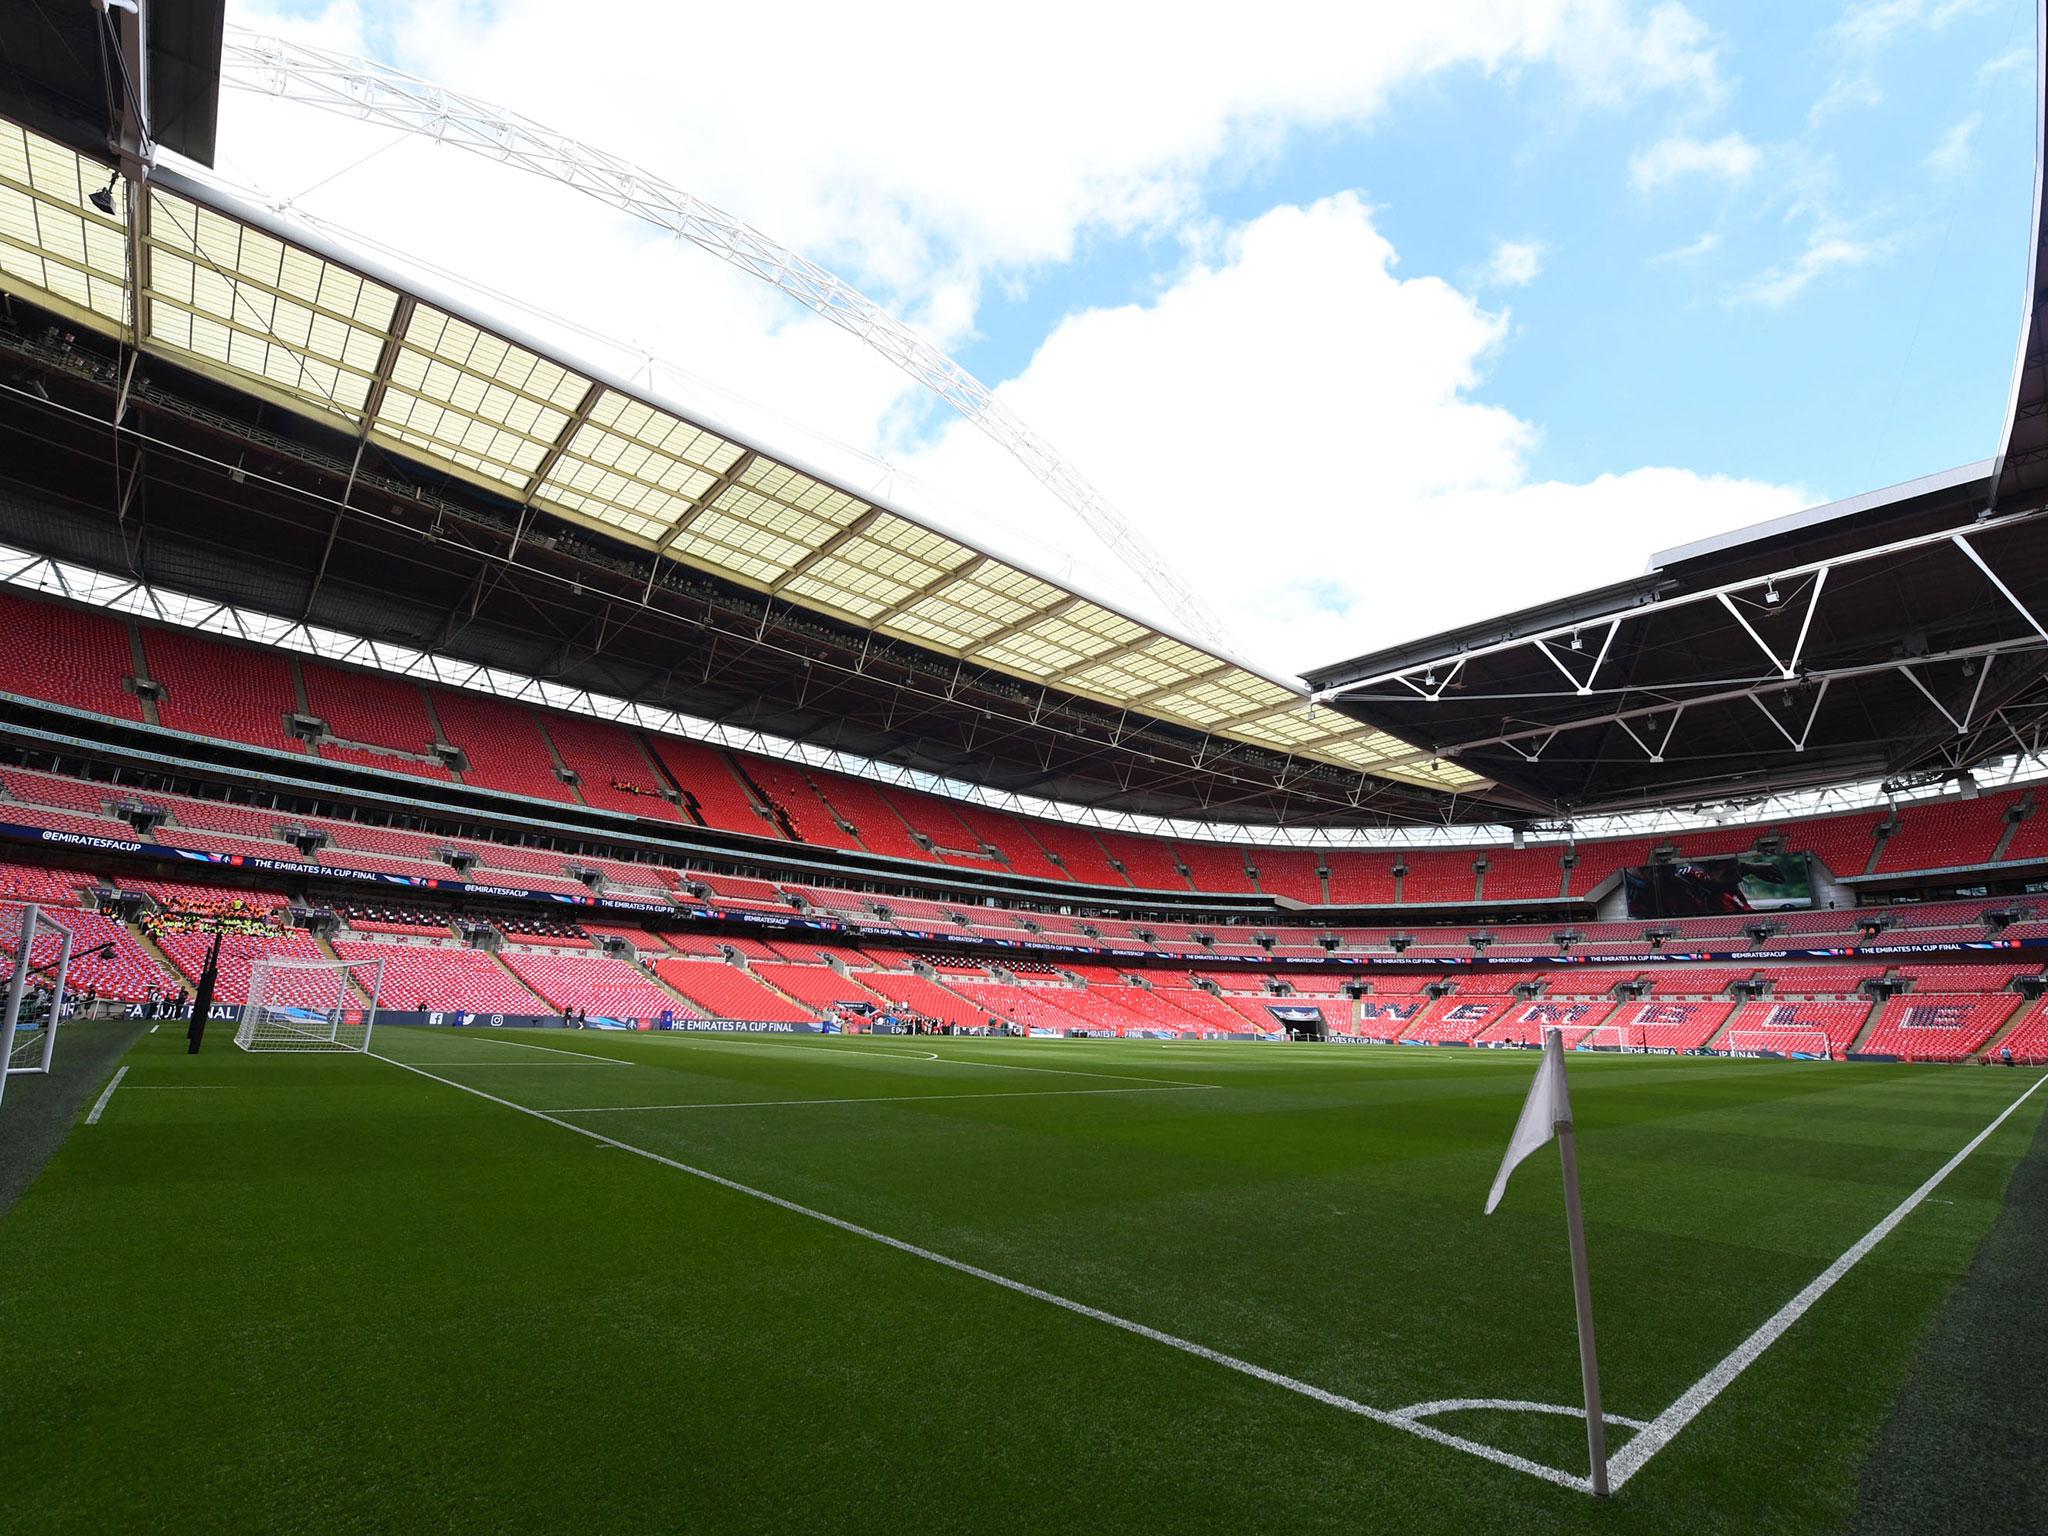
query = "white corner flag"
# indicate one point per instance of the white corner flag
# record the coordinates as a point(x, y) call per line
point(1547, 1112)
point(1547, 1107)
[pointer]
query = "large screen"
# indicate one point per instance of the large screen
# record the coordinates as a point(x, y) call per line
point(1750, 882)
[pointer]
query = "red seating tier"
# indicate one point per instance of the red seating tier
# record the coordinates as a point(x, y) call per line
point(1947, 834)
point(725, 991)
point(706, 778)
point(502, 744)
point(1439, 875)
point(376, 709)
point(231, 693)
point(612, 771)
point(442, 976)
point(67, 656)
point(1939, 1026)
point(591, 983)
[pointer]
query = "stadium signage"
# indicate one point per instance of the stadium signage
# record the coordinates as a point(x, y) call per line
point(55, 837)
point(741, 1027)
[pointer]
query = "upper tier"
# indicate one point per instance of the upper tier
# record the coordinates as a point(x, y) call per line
point(213, 688)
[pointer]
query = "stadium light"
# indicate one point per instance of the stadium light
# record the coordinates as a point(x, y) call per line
point(1578, 644)
point(1771, 593)
point(103, 199)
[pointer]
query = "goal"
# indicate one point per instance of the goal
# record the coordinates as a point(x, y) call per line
point(310, 1005)
point(1807, 1044)
point(1611, 1037)
point(32, 1004)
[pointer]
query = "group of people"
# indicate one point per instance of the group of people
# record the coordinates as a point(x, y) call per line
point(225, 914)
point(161, 1003)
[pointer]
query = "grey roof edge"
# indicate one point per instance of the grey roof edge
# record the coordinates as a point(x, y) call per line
point(1812, 517)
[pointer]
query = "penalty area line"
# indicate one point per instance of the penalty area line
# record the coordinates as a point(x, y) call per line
point(1631, 1458)
point(92, 1116)
point(1305, 1389)
point(590, 1057)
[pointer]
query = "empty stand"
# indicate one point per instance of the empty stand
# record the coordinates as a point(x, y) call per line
point(441, 978)
point(592, 983)
point(1443, 875)
point(708, 783)
point(1214, 867)
point(228, 692)
point(373, 709)
point(66, 656)
point(612, 770)
point(724, 991)
point(1947, 834)
point(1359, 878)
point(1938, 1026)
point(1295, 873)
point(502, 744)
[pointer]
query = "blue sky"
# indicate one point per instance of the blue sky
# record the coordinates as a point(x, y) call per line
point(1571, 280)
point(1867, 377)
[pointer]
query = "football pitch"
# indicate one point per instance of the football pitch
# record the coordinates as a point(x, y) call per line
point(545, 1280)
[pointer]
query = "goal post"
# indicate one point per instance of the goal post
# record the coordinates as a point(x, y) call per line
point(310, 1005)
point(1810, 1044)
point(32, 1006)
point(1611, 1037)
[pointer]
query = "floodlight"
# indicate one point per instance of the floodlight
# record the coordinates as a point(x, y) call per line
point(104, 198)
point(1577, 643)
point(1771, 593)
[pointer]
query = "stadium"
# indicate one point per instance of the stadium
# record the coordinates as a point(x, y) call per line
point(568, 967)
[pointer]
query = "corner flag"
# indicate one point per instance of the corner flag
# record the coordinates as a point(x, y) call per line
point(1547, 1107)
point(1547, 1112)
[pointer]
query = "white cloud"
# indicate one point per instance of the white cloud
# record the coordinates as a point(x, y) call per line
point(1317, 455)
point(1729, 158)
point(1843, 94)
point(1287, 419)
point(1828, 249)
point(1708, 242)
point(2019, 56)
point(1951, 153)
point(1515, 263)
point(898, 153)
point(1875, 24)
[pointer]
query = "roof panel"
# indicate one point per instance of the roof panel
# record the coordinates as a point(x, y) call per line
point(54, 246)
point(312, 331)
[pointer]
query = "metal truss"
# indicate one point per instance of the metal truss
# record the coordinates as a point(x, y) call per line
point(377, 93)
point(1649, 716)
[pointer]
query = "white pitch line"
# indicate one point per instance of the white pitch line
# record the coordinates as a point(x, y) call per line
point(1172, 1341)
point(874, 1098)
point(1631, 1458)
point(1511, 1405)
point(99, 1107)
point(605, 1061)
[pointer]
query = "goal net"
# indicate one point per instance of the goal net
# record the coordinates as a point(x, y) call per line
point(32, 999)
point(1610, 1037)
point(310, 1005)
point(1811, 1044)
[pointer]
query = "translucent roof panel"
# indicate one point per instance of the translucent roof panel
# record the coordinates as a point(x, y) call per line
point(255, 308)
point(239, 300)
point(55, 247)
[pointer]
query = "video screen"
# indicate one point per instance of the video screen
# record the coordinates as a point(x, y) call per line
point(1750, 882)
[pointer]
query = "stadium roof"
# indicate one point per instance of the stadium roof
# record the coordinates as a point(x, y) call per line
point(1891, 635)
point(245, 299)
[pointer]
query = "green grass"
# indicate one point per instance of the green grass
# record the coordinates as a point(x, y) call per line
point(323, 1293)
